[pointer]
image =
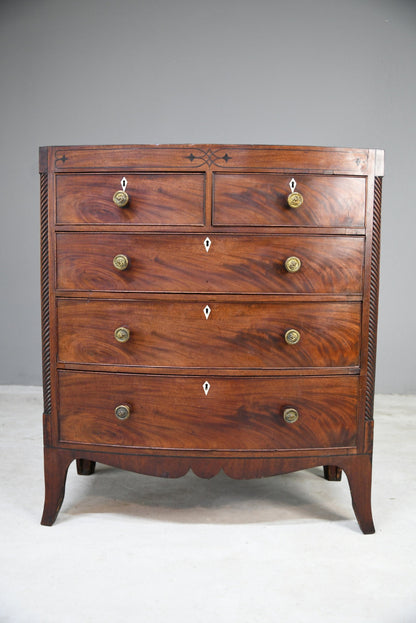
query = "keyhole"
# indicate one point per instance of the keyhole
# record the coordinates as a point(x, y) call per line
point(207, 244)
point(206, 387)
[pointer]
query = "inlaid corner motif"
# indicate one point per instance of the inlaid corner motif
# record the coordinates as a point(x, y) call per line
point(208, 157)
point(62, 158)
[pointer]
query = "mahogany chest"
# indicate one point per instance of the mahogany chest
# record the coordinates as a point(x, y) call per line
point(209, 307)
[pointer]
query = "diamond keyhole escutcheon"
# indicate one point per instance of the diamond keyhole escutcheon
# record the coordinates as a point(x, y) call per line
point(206, 387)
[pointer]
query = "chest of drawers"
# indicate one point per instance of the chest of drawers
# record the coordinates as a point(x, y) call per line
point(209, 307)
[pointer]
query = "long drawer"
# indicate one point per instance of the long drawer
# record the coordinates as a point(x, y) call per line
point(154, 199)
point(261, 199)
point(203, 333)
point(235, 414)
point(218, 263)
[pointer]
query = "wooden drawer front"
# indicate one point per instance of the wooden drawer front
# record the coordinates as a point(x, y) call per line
point(173, 263)
point(241, 334)
point(238, 414)
point(154, 199)
point(261, 199)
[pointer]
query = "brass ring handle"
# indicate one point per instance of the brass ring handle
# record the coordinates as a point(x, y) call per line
point(290, 415)
point(293, 264)
point(122, 334)
point(292, 336)
point(120, 261)
point(120, 198)
point(122, 412)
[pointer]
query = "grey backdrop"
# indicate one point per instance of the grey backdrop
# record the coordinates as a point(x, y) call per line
point(306, 72)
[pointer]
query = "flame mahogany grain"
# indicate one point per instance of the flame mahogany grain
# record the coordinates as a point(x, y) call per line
point(154, 199)
point(237, 196)
point(237, 414)
point(249, 334)
point(261, 199)
point(238, 264)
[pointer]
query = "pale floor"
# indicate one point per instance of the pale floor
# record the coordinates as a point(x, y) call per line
point(130, 548)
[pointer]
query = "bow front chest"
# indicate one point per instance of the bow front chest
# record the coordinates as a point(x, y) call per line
point(209, 307)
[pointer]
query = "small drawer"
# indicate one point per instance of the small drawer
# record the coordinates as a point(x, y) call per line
point(205, 333)
point(240, 264)
point(261, 199)
point(233, 414)
point(153, 199)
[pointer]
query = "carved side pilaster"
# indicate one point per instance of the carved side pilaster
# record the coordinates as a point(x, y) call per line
point(44, 248)
point(374, 279)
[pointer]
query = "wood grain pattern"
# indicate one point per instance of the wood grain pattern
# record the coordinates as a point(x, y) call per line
point(154, 199)
point(358, 469)
point(237, 414)
point(56, 465)
point(180, 263)
point(261, 199)
point(178, 157)
point(177, 334)
point(236, 195)
point(332, 472)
